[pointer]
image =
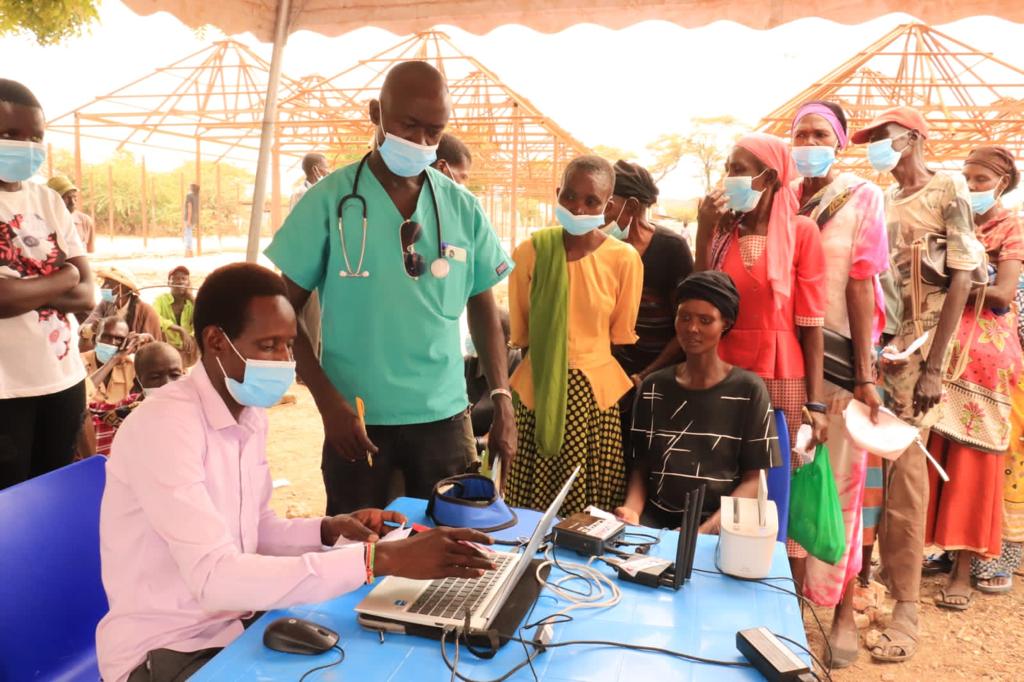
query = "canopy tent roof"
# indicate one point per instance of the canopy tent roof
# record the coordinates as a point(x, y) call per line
point(212, 102)
point(969, 97)
point(335, 17)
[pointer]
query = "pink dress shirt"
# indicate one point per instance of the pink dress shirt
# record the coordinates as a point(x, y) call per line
point(188, 542)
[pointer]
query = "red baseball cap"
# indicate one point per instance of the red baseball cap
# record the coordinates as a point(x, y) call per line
point(908, 117)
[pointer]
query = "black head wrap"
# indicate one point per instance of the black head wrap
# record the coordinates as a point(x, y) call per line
point(714, 287)
point(634, 181)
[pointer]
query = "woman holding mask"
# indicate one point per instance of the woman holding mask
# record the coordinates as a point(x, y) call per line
point(119, 297)
point(850, 212)
point(751, 231)
point(573, 294)
point(972, 435)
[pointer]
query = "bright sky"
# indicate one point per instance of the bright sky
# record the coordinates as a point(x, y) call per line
point(614, 88)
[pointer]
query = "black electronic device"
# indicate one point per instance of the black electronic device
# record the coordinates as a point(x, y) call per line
point(771, 657)
point(297, 636)
point(588, 535)
point(654, 572)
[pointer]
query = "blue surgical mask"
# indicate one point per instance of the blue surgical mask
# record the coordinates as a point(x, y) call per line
point(742, 197)
point(264, 382)
point(578, 225)
point(616, 230)
point(813, 161)
point(882, 156)
point(403, 158)
point(105, 351)
point(107, 295)
point(20, 160)
point(982, 202)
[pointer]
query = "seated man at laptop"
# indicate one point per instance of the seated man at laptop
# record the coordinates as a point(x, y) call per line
point(701, 421)
point(189, 545)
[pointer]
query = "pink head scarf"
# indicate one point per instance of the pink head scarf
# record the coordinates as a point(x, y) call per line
point(828, 115)
point(774, 153)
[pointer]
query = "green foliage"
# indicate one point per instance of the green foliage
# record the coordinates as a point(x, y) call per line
point(51, 21)
point(613, 154)
point(165, 193)
point(707, 143)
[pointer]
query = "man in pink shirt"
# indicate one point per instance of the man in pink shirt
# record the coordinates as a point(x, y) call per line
point(189, 545)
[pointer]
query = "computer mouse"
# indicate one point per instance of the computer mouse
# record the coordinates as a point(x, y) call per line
point(297, 636)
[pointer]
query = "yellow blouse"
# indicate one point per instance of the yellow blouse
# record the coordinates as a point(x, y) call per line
point(604, 299)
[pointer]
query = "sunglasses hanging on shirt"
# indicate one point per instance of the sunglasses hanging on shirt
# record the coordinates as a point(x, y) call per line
point(410, 232)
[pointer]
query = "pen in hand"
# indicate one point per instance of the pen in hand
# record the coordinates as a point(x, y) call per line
point(361, 411)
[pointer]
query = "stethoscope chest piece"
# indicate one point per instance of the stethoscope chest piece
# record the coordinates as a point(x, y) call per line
point(345, 273)
point(440, 268)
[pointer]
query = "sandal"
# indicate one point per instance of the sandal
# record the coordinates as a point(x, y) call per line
point(937, 563)
point(982, 584)
point(945, 598)
point(894, 639)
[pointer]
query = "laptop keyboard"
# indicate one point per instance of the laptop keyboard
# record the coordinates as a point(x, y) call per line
point(451, 597)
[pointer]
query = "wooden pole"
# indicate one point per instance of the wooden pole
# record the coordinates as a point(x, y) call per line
point(552, 199)
point(110, 200)
point(199, 203)
point(92, 195)
point(78, 152)
point(219, 219)
point(145, 208)
point(275, 186)
point(49, 160)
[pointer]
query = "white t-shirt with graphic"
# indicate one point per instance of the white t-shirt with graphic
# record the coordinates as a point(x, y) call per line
point(38, 349)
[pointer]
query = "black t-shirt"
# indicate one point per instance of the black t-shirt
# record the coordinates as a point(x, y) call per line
point(683, 438)
point(667, 262)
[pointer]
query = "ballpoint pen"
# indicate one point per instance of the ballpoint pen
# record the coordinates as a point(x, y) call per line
point(361, 411)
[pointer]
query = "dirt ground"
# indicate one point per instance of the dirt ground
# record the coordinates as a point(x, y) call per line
point(984, 643)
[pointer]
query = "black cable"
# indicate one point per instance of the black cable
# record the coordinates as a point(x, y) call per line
point(828, 675)
point(325, 667)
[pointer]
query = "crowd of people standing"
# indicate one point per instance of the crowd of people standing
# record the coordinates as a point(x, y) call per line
point(653, 369)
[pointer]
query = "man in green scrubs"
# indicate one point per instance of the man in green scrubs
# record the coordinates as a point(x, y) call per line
point(392, 293)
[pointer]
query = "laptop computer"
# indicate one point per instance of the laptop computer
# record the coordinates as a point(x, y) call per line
point(452, 602)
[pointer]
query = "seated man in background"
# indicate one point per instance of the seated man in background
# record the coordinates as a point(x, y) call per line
point(109, 366)
point(702, 421)
point(119, 295)
point(175, 309)
point(156, 364)
point(189, 545)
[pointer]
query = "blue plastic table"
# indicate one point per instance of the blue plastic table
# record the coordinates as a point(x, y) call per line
point(701, 619)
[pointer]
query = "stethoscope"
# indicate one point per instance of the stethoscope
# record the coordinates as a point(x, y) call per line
point(439, 268)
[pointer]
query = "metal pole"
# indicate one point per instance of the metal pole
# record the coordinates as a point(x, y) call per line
point(110, 200)
point(219, 218)
point(78, 153)
point(275, 186)
point(199, 203)
point(145, 207)
point(515, 171)
point(49, 162)
point(267, 131)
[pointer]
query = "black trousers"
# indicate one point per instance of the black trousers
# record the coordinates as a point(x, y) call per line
point(411, 459)
point(38, 434)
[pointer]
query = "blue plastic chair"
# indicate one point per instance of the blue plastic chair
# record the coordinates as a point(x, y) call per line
point(51, 592)
point(779, 477)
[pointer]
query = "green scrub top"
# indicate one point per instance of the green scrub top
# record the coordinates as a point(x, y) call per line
point(391, 339)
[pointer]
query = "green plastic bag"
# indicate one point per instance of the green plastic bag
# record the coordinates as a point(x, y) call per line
point(815, 517)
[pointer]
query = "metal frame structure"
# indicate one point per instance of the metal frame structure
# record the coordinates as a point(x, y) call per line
point(212, 104)
point(969, 97)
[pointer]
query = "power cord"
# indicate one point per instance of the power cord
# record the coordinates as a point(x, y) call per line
point(325, 667)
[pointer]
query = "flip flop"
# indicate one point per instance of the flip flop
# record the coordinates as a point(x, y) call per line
point(894, 638)
point(936, 564)
point(943, 600)
point(998, 589)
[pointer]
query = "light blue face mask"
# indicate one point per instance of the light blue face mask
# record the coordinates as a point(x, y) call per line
point(882, 156)
point(403, 158)
point(616, 231)
point(982, 202)
point(264, 381)
point(107, 295)
point(578, 225)
point(105, 351)
point(742, 197)
point(19, 159)
point(813, 161)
